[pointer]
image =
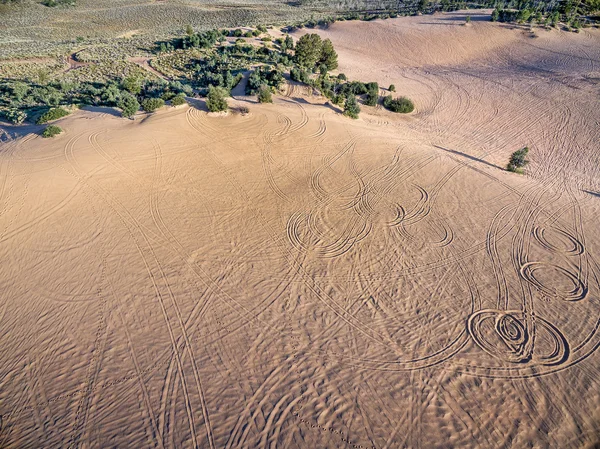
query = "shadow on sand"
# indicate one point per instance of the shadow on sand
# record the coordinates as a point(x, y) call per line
point(468, 156)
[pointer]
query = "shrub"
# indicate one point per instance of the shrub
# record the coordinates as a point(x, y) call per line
point(372, 94)
point(342, 77)
point(132, 84)
point(299, 75)
point(264, 94)
point(128, 105)
point(495, 15)
point(215, 101)
point(402, 104)
point(351, 108)
point(52, 114)
point(15, 116)
point(517, 160)
point(392, 88)
point(178, 100)
point(152, 104)
point(51, 131)
point(468, 19)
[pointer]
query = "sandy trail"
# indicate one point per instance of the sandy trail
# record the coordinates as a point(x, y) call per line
point(293, 278)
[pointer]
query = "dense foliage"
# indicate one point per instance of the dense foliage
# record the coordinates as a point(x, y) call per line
point(311, 52)
point(351, 107)
point(401, 104)
point(264, 94)
point(52, 114)
point(215, 101)
point(518, 160)
point(51, 131)
point(152, 104)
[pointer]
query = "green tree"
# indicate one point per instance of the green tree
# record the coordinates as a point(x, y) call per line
point(328, 55)
point(264, 94)
point(215, 101)
point(189, 30)
point(495, 15)
point(392, 88)
point(132, 84)
point(289, 42)
point(128, 105)
point(308, 50)
point(351, 108)
point(518, 160)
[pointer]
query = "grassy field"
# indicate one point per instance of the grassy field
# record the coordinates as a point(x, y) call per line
point(30, 29)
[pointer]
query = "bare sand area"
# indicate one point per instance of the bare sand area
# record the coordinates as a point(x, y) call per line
point(292, 278)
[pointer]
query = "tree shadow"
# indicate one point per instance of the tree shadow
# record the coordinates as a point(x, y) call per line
point(597, 194)
point(468, 156)
point(102, 110)
point(196, 103)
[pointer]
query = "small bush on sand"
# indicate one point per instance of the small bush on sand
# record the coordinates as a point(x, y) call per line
point(128, 105)
point(178, 100)
point(518, 160)
point(402, 104)
point(51, 131)
point(351, 108)
point(152, 104)
point(264, 94)
point(52, 114)
point(392, 88)
point(215, 101)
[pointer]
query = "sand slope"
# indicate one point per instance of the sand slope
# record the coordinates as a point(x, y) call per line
point(293, 278)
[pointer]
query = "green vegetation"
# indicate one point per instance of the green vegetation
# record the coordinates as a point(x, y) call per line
point(51, 131)
point(351, 107)
point(392, 88)
point(372, 96)
point(128, 105)
point(194, 64)
point(264, 94)
point(263, 76)
point(312, 52)
point(52, 114)
point(178, 100)
point(215, 101)
point(518, 160)
point(152, 104)
point(574, 14)
point(401, 104)
point(15, 116)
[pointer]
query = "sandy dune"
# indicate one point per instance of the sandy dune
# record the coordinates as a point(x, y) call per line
point(295, 279)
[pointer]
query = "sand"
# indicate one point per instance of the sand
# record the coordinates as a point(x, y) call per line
point(293, 278)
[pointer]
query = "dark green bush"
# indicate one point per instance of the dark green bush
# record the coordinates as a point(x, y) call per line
point(215, 101)
point(52, 114)
point(178, 100)
point(402, 104)
point(128, 105)
point(518, 160)
point(51, 131)
point(264, 94)
point(152, 104)
point(351, 108)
